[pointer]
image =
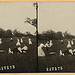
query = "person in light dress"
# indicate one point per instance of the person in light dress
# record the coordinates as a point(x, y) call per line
point(0, 41)
point(29, 40)
point(40, 50)
point(18, 43)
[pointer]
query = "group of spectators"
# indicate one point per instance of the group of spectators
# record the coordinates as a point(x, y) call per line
point(18, 46)
point(57, 47)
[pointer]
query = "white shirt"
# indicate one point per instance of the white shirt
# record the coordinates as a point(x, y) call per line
point(25, 48)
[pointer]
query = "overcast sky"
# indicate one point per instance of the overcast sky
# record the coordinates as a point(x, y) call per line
point(58, 16)
point(13, 15)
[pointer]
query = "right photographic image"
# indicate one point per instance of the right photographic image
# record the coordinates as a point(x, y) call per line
point(56, 37)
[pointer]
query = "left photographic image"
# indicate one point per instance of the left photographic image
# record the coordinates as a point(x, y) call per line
point(18, 37)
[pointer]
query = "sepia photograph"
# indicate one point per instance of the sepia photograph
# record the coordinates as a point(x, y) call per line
point(37, 37)
point(18, 37)
point(56, 37)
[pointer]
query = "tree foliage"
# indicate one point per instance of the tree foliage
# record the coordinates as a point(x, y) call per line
point(16, 33)
point(50, 34)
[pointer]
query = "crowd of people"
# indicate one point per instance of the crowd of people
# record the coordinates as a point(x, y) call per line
point(57, 47)
point(18, 46)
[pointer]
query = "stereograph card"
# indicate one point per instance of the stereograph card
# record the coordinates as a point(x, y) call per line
point(37, 37)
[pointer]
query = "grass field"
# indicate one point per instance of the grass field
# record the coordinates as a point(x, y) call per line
point(67, 62)
point(23, 62)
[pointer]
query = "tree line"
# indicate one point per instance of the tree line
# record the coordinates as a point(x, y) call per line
point(45, 35)
point(15, 33)
point(52, 35)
